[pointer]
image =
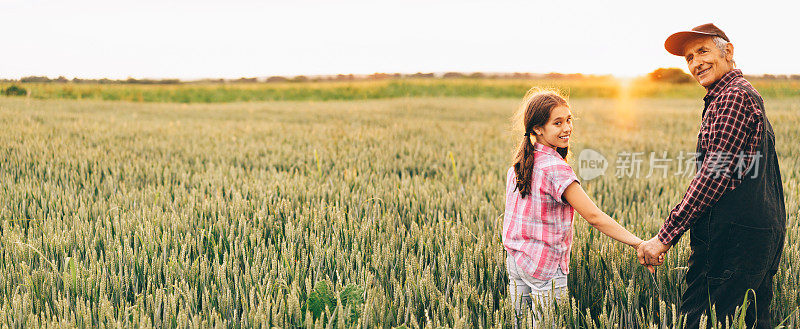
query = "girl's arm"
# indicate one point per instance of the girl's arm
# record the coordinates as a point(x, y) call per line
point(577, 198)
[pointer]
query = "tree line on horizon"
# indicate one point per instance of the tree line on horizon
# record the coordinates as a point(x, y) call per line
point(319, 78)
point(671, 75)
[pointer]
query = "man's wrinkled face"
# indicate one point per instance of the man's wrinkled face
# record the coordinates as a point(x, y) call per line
point(706, 62)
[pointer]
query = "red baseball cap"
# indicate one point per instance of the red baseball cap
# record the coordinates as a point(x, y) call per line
point(676, 42)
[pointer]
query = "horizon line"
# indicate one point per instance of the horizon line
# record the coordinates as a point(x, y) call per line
point(435, 74)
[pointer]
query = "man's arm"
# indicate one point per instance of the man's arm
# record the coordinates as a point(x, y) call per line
point(732, 126)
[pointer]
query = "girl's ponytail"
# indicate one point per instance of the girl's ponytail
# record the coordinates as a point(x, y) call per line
point(523, 165)
point(534, 112)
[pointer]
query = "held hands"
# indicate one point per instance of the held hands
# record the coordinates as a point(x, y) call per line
point(651, 252)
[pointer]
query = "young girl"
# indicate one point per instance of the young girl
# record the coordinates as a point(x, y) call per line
point(542, 193)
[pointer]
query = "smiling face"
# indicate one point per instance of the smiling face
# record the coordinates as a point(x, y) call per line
point(706, 62)
point(556, 132)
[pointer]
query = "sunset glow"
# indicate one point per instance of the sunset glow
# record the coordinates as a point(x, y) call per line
point(199, 39)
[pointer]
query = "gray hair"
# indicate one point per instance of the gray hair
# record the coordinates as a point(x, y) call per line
point(721, 44)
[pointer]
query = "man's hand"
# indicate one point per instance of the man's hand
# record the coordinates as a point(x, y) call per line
point(651, 252)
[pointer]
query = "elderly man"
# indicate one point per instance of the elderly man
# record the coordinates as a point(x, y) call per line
point(734, 205)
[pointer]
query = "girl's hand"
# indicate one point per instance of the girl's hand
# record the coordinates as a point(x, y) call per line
point(638, 243)
point(650, 267)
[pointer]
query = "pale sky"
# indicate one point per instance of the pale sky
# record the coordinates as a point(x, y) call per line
point(191, 39)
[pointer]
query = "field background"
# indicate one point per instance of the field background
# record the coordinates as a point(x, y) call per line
point(596, 87)
point(328, 214)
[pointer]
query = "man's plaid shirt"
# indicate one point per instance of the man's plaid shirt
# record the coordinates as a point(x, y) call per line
point(729, 135)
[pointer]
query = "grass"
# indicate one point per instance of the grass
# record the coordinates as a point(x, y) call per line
point(362, 90)
point(378, 213)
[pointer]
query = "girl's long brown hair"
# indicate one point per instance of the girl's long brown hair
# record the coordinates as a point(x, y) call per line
point(533, 112)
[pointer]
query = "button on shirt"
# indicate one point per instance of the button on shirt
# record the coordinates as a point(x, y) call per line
point(730, 134)
point(537, 229)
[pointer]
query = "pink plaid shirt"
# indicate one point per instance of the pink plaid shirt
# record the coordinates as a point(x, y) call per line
point(537, 229)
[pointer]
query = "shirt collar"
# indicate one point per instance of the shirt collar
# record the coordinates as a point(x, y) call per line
point(718, 86)
point(539, 147)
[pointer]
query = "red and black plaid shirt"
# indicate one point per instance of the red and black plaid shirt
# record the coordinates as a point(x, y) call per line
point(731, 127)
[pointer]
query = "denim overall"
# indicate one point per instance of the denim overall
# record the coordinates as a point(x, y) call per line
point(737, 245)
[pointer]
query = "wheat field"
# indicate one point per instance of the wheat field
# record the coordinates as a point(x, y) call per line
point(372, 214)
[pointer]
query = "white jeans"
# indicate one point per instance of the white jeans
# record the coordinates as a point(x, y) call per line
point(527, 291)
